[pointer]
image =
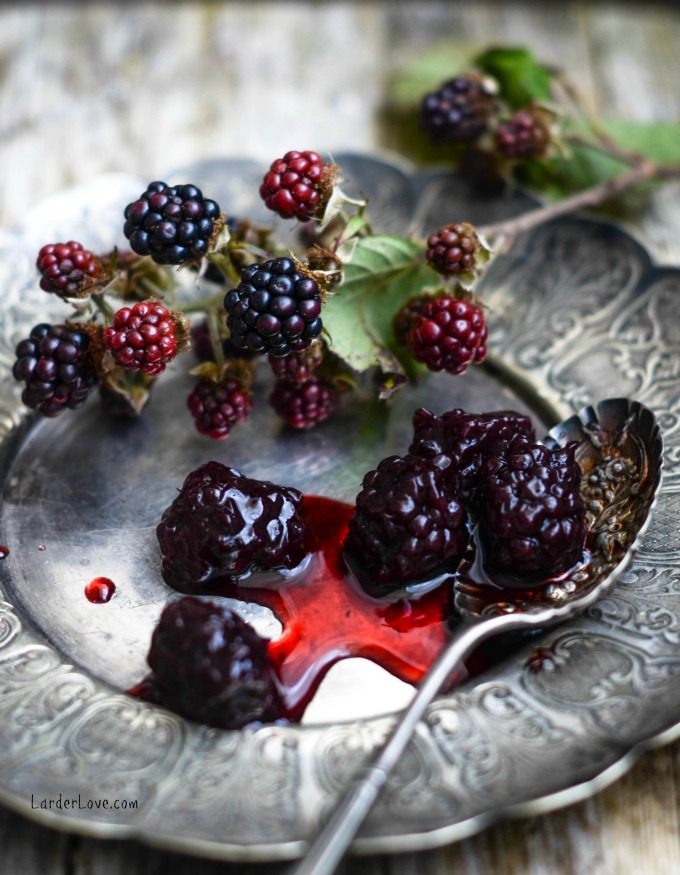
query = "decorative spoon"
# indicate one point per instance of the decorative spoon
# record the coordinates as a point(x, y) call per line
point(620, 453)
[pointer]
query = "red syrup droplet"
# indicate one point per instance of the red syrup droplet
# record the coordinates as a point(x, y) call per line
point(4, 551)
point(100, 590)
point(41, 547)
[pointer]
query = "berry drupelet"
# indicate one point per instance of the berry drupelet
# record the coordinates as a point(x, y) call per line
point(223, 526)
point(293, 187)
point(453, 249)
point(298, 367)
point(142, 338)
point(304, 405)
point(54, 364)
point(210, 666)
point(218, 407)
point(532, 516)
point(459, 111)
point(448, 335)
point(409, 522)
point(67, 269)
point(172, 224)
point(275, 309)
point(526, 135)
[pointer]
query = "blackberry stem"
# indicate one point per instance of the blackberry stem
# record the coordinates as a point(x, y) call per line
point(104, 307)
point(202, 305)
point(215, 339)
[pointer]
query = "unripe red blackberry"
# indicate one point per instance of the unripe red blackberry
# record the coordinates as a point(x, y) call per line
point(409, 522)
point(525, 135)
point(275, 309)
point(448, 335)
point(459, 111)
point(453, 249)
point(298, 367)
point(304, 405)
point(297, 186)
point(172, 224)
point(404, 319)
point(218, 407)
point(53, 363)
point(67, 269)
point(142, 338)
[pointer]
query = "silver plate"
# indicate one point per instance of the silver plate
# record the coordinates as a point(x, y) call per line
point(577, 313)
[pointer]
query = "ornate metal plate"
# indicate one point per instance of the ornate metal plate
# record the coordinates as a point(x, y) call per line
point(577, 312)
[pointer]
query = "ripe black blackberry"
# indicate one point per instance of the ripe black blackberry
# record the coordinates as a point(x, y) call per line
point(448, 335)
point(459, 111)
point(218, 407)
point(409, 522)
point(304, 405)
point(172, 224)
point(468, 439)
point(67, 269)
point(210, 666)
point(453, 249)
point(54, 364)
point(222, 526)
point(525, 135)
point(532, 516)
point(275, 309)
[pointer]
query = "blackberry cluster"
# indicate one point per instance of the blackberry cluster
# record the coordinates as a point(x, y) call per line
point(409, 522)
point(304, 405)
point(142, 338)
point(458, 112)
point(222, 526)
point(67, 269)
point(218, 407)
point(210, 666)
point(453, 249)
point(54, 364)
point(275, 309)
point(532, 521)
point(298, 367)
point(172, 224)
point(293, 186)
point(448, 335)
point(523, 136)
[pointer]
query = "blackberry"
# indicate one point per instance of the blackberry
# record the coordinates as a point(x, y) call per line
point(304, 405)
point(525, 135)
point(67, 269)
point(298, 367)
point(211, 666)
point(142, 338)
point(222, 526)
point(275, 309)
point(218, 407)
point(297, 186)
point(448, 335)
point(532, 519)
point(172, 224)
point(459, 111)
point(403, 320)
point(54, 364)
point(453, 249)
point(409, 522)
point(468, 439)
point(201, 344)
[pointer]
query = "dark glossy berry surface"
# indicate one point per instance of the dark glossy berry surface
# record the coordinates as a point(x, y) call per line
point(292, 185)
point(210, 666)
point(523, 136)
point(409, 523)
point(222, 526)
point(52, 362)
point(298, 367)
point(172, 224)
point(532, 516)
point(448, 335)
point(458, 111)
point(142, 338)
point(66, 268)
point(275, 309)
point(453, 249)
point(304, 405)
point(468, 439)
point(218, 407)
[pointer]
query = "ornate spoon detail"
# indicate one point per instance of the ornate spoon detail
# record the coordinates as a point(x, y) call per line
point(620, 453)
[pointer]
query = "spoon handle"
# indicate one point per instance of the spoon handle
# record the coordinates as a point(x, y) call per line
point(330, 845)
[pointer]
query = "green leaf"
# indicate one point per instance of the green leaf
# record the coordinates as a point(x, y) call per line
point(409, 84)
point(659, 141)
point(521, 78)
point(384, 273)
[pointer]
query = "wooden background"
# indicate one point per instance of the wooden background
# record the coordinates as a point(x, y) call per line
point(142, 88)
